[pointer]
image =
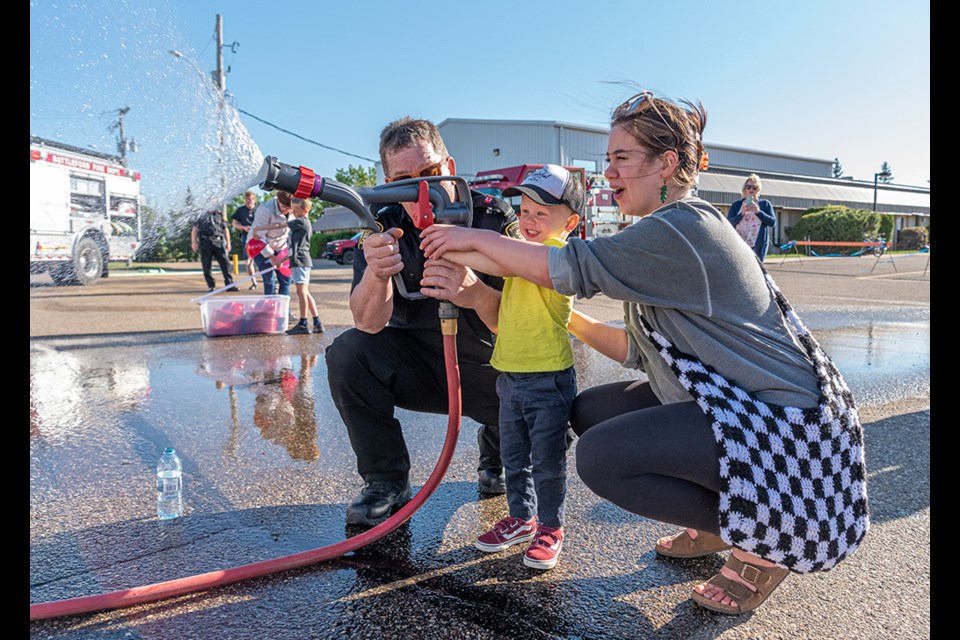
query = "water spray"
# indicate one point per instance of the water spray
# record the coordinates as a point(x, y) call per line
point(433, 204)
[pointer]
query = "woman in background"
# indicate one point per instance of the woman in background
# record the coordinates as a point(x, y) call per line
point(752, 216)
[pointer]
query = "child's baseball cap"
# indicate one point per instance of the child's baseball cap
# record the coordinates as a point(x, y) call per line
point(549, 185)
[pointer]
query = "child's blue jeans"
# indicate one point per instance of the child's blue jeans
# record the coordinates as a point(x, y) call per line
point(534, 416)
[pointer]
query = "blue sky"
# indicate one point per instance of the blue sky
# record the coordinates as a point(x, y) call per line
point(847, 80)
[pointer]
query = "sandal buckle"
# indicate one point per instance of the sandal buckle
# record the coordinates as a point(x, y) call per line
point(750, 573)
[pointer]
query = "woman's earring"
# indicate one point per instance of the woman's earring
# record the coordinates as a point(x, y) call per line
point(663, 194)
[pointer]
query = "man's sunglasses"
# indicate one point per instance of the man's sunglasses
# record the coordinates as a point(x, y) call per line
point(434, 169)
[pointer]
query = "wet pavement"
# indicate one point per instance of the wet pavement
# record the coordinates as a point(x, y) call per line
point(268, 471)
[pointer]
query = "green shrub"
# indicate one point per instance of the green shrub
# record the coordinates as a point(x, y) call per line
point(886, 225)
point(912, 238)
point(839, 223)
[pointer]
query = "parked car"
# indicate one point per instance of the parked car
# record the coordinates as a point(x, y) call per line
point(342, 250)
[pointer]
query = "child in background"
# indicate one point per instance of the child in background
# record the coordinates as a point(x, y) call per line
point(300, 264)
point(537, 383)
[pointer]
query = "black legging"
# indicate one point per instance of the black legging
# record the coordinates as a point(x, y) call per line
point(658, 461)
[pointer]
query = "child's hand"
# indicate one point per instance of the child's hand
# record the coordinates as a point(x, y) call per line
point(438, 238)
point(275, 261)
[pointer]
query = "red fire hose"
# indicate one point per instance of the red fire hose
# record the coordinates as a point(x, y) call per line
point(190, 584)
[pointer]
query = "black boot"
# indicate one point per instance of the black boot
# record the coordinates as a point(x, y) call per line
point(377, 501)
point(490, 469)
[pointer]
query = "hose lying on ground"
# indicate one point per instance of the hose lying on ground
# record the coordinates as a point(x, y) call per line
point(190, 584)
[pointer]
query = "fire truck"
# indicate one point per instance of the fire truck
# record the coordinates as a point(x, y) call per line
point(84, 212)
point(601, 215)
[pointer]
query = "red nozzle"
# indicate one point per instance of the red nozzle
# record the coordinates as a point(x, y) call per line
point(305, 186)
point(424, 217)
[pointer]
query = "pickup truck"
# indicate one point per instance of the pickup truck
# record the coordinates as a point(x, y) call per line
point(342, 250)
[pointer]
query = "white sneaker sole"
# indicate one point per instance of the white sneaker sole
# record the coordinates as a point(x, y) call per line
point(491, 548)
point(540, 564)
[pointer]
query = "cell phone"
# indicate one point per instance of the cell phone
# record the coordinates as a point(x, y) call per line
point(748, 200)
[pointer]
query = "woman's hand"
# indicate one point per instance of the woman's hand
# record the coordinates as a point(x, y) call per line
point(753, 207)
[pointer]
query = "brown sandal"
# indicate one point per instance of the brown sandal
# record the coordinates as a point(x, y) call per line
point(764, 579)
point(684, 546)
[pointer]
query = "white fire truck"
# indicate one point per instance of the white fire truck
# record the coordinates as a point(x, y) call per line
point(602, 216)
point(84, 212)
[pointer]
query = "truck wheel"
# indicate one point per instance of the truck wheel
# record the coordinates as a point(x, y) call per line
point(88, 262)
point(347, 257)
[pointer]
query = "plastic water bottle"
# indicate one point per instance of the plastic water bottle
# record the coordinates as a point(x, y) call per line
point(169, 485)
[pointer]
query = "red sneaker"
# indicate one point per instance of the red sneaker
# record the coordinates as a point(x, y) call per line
point(545, 548)
point(506, 533)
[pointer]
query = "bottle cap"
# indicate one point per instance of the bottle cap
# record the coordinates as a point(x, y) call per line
point(169, 450)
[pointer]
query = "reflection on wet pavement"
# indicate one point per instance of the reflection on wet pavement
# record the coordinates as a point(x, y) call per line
point(281, 395)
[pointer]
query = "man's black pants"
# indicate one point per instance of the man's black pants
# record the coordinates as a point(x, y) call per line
point(371, 374)
point(208, 251)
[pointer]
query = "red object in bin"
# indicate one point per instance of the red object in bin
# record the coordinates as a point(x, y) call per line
point(226, 320)
point(262, 317)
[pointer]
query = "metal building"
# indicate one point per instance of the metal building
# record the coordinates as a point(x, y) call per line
point(792, 183)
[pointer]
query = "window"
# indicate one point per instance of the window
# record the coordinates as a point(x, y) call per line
point(86, 196)
point(120, 206)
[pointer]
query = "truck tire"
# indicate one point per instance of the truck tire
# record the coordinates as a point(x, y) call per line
point(88, 262)
point(347, 257)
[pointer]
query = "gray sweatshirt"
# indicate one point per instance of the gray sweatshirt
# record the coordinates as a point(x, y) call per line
point(686, 270)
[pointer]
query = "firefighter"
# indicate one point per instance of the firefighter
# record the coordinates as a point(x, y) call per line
point(210, 238)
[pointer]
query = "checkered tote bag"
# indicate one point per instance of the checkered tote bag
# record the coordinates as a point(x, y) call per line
point(792, 481)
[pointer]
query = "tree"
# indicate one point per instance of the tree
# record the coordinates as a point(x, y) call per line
point(353, 176)
point(837, 168)
point(885, 175)
point(357, 176)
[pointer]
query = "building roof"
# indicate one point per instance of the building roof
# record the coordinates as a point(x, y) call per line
point(724, 188)
point(548, 123)
point(336, 219)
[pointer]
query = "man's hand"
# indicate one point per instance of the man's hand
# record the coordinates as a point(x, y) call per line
point(371, 301)
point(447, 280)
point(438, 238)
point(382, 253)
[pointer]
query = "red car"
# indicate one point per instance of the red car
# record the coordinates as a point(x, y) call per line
point(342, 250)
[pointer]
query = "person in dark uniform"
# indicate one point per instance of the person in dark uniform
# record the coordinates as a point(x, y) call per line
point(210, 238)
point(394, 356)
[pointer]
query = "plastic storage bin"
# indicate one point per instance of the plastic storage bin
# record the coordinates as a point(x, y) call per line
point(240, 315)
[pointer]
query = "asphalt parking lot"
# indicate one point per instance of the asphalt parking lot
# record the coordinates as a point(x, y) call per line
point(121, 369)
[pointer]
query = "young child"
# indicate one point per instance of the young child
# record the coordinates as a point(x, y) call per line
point(300, 264)
point(537, 383)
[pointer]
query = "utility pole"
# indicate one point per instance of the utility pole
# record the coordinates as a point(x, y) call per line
point(220, 78)
point(220, 81)
point(122, 144)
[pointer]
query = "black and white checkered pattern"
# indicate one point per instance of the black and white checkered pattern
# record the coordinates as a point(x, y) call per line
point(793, 481)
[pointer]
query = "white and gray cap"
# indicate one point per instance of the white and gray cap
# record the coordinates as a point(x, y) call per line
point(549, 185)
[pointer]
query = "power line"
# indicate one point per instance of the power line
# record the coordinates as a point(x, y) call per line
point(347, 153)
